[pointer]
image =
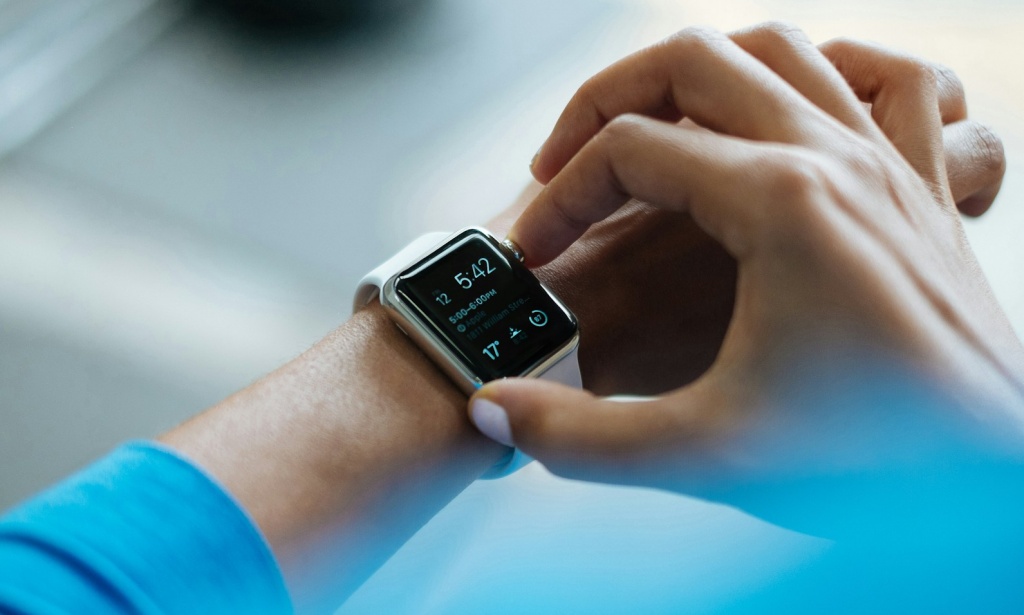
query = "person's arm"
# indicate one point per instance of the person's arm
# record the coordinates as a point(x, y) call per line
point(342, 454)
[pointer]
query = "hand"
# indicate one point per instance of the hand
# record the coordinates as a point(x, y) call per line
point(630, 341)
point(646, 334)
point(844, 229)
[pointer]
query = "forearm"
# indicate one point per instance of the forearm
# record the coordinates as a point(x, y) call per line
point(342, 454)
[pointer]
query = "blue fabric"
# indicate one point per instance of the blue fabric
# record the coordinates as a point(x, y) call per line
point(140, 531)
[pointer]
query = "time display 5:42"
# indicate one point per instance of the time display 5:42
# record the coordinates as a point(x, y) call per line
point(481, 268)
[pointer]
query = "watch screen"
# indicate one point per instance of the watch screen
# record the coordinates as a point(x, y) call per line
point(488, 309)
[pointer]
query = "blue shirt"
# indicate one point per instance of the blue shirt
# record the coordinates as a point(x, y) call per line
point(140, 531)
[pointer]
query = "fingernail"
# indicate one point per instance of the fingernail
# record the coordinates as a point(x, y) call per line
point(492, 421)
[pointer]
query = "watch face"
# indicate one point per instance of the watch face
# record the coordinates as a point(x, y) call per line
point(486, 308)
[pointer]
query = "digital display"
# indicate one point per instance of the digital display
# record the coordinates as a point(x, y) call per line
point(488, 309)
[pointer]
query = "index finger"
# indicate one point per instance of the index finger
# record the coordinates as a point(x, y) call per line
point(698, 73)
point(721, 181)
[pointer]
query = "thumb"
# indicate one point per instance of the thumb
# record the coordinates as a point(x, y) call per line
point(577, 435)
point(975, 164)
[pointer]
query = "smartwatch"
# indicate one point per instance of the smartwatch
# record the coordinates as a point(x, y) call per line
point(470, 305)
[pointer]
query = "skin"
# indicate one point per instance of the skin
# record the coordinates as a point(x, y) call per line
point(822, 172)
point(342, 454)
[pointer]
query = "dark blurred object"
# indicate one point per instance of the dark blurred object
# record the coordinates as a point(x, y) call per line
point(315, 14)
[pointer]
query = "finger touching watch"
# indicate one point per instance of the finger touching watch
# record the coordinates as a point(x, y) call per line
point(478, 313)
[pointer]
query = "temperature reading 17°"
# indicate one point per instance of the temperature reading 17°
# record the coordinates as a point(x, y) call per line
point(492, 350)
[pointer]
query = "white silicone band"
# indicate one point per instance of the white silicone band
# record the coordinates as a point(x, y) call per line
point(566, 371)
point(372, 283)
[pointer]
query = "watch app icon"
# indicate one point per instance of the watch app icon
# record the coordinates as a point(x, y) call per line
point(538, 318)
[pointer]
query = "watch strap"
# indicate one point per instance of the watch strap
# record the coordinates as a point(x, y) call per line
point(372, 283)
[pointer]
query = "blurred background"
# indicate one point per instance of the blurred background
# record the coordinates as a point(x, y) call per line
point(190, 191)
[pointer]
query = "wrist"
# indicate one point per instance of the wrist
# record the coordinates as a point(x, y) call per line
point(349, 448)
point(426, 412)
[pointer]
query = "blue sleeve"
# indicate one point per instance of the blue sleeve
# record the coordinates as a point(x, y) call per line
point(140, 531)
